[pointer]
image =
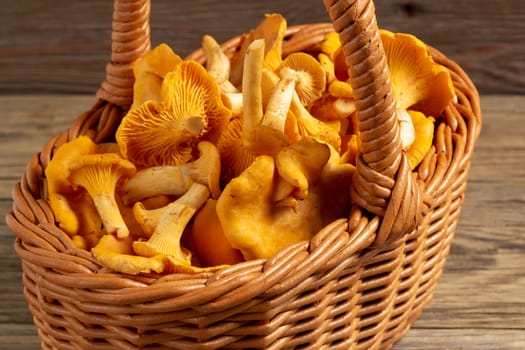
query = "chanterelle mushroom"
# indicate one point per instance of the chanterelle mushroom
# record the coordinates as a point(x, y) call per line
point(73, 210)
point(308, 73)
point(424, 132)
point(417, 81)
point(117, 254)
point(258, 227)
point(209, 242)
point(272, 30)
point(168, 224)
point(99, 174)
point(166, 133)
point(149, 72)
point(176, 179)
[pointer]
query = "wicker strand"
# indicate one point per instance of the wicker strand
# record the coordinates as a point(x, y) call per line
point(130, 40)
point(383, 184)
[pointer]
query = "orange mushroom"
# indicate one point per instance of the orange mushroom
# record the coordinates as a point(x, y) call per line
point(417, 81)
point(117, 254)
point(424, 133)
point(176, 179)
point(259, 227)
point(209, 242)
point(272, 30)
point(168, 225)
point(99, 174)
point(309, 76)
point(73, 210)
point(149, 72)
point(167, 133)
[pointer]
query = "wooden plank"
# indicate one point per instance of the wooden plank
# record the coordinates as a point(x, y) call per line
point(64, 47)
point(459, 339)
point(478, 303)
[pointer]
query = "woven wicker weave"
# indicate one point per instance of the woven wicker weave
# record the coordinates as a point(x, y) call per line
point(358, 284)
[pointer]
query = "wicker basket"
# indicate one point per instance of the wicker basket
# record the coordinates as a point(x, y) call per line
point(358, 284)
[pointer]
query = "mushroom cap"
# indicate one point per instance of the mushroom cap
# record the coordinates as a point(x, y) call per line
point(310, 77)
point(149, 72)
point(167, 133)
point(98, 173)
point(70, 207)
point(117, 254)
point(301, 164)
point(418, 82)
point(209, 242)
point(235, 157)
point(272, 30)
point(58, 168)
point(258, 227)
point(424, 134)
point(331, 44)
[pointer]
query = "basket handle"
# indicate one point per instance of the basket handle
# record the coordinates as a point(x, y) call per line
point(130, 39)
point(383, 184)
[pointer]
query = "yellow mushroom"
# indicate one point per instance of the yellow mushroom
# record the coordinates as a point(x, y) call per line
point(99, 174)
point(406, 128)
point(176, 179)
point(217, 64)
point(330, 45)
point(301, 163)
point(272, 30)
point(166, 133)
point(118, 255)
point(338, 88)
point(259, 228)
point(209, 242)
point(73, 210)
point(248, 136)
point(309, 76)
point(235, 157)
point(309, 126)
point(333, 108)
point(328, 67)
point(418, 82)
point(424, 133)
point(149, 72)
point(168, 224)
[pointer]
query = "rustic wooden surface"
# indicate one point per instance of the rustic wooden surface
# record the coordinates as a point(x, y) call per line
point(62, 46)
point(480, 300)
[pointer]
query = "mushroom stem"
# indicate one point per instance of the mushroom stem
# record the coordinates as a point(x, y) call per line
point(251, 85)
point(168, 224)
point(310, 126)
point(189, 128)
point(233, 101)
point(109, 212)
point(406, 128)
point(217, 63)
point(148, 182)
point(99, 174)
point(176, 179)
point(279, 105)
point(149, 219)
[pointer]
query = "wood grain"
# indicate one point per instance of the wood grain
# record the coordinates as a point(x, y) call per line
point(63, 46)
point(479, 302)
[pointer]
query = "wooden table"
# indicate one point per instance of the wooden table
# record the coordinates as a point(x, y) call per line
point(480, 300)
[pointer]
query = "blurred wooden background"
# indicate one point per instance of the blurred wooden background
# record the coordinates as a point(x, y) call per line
point(62, 46)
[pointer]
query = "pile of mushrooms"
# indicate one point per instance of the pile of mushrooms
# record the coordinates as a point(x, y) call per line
point(235, 159)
